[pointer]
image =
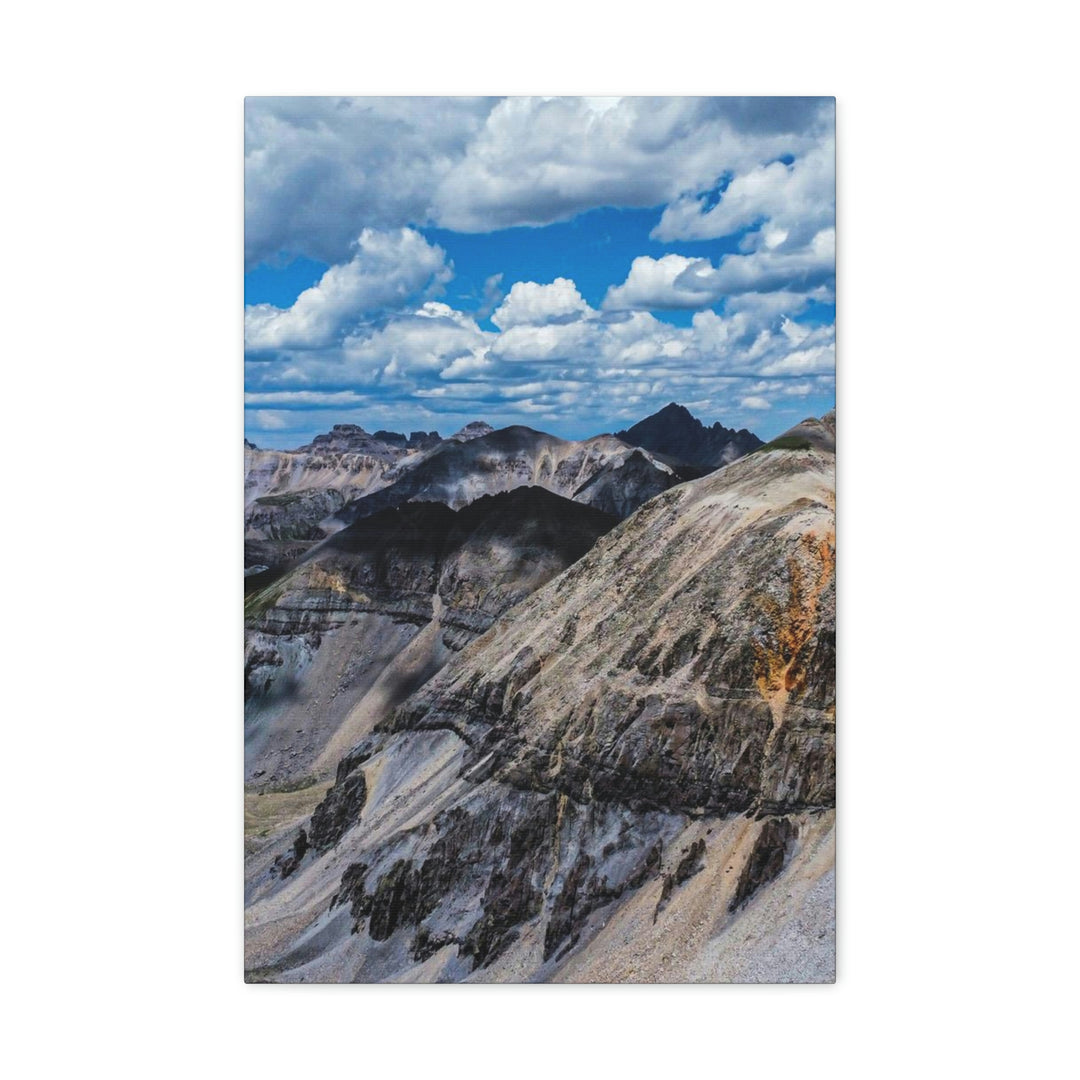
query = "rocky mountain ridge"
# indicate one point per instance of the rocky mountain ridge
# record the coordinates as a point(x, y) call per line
point(296, 497)
point(456, 473)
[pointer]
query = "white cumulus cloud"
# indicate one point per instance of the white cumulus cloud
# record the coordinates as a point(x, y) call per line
point(318, 168)
point(788, 202)
point(532, 304)
point(675, 281)
point(387, 271)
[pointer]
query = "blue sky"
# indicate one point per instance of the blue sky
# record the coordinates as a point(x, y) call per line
point(570, 264)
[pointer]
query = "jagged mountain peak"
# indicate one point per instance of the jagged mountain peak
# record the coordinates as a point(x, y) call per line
point(474, 430)
point(675, 432)
point(345, 438)
point(416, 440)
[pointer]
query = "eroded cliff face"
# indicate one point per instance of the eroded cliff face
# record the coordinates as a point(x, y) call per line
point(629, 776)
point(292, 495)
point(373, 612)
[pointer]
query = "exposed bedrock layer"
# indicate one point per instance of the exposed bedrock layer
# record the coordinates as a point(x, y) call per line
point(629, 776)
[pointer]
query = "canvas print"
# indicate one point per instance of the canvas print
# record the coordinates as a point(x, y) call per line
point(539, 540)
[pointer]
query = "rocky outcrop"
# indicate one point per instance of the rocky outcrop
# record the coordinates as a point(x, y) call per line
point(342, 807)
point(416, 440)
point(767, 858)
point(676, 433)
point(474, 430)
point(352, 439)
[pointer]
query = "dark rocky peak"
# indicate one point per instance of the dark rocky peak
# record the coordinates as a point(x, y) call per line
point(474, 430)
point(676, 433)
point(417, 440)
point(391, 438)
point(249, 445)
point(673, 412)
point(422, 440)
point(412, 529)
point(513, 514)
point(352, 439)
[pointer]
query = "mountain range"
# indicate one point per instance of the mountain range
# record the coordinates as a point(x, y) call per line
point(527, 709)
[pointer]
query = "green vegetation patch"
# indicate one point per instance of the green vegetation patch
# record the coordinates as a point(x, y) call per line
point(279, 500)
point(256, 602)
point(268, 813)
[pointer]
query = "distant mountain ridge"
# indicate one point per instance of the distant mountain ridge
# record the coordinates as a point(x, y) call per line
point(602, 471)
point(295, 498)
point(675, 432)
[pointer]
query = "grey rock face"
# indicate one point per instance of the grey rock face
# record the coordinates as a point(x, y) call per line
point(290, 496)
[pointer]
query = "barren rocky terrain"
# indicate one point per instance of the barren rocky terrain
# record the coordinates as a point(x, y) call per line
point(610, 759)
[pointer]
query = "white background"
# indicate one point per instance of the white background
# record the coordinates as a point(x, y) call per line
point(122, 421)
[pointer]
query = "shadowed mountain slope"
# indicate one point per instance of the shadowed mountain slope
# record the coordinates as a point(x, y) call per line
point(371, 613)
